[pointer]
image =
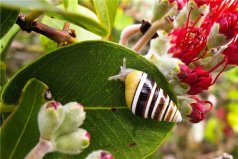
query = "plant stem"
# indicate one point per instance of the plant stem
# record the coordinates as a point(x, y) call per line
point(128, 32)
point(31, 17)
point(6, 108)
point(40, 150)
point(164, 23)
point(66, 26)
point(62, 37)
point(3, 73)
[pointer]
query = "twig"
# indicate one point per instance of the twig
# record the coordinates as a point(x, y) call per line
point(62, 37)
point(128, 32)
point(66, 26)
point(165, 23)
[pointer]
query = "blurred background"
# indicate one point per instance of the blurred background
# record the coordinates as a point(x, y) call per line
point(216, 135)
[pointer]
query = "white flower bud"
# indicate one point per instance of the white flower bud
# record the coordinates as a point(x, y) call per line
point(74, 117)
point(72, 143)
point(100, 154)
point(50, 118)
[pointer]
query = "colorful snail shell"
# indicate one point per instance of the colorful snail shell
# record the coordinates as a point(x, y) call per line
point(145, 98)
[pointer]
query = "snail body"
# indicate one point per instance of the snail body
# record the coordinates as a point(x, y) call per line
point(145, 98)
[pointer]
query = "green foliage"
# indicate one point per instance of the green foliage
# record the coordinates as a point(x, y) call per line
point(7, 40)
point(80, 73)
point(122, 20)
point(7, 18)
point(19, 133)
point(106, 12)
point(81, 17)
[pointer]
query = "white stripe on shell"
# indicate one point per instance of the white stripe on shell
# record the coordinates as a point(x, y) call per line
point(137, 94)
point(164, 108)
point(150, 100)
point(173, 107)
point(178, 117)
point(160, 95)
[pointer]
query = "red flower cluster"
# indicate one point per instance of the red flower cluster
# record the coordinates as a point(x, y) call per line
point(189, 44)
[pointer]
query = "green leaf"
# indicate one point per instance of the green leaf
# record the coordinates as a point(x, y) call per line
point(70, 5)
point(83, 17)
point(19, 133)
point(122, 20)
point(7, 40)
point(106, 12)
point(80, 73)
point(7, 18)
point(81, 34)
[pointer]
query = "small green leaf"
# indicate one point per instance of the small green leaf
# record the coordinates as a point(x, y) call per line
point(80, 73)
point(106, 12)
point(19, 133)
point(71, 5)
point(7, 18)
point(6, 41)
point(83, 17)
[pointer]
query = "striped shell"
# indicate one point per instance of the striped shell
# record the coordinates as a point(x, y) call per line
point(146, 99)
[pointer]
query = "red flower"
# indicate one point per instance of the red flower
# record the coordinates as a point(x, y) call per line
point(199, 110)
point(190, 42)
point(231, 52)
point(198, 79)
point(218, 9)
point(229, 24)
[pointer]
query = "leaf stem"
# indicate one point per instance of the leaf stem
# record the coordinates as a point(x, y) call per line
point(40, 150)
point(29, 18)
point(3, 73)
point(62, 37)
point(6, 109)
point(163, 23)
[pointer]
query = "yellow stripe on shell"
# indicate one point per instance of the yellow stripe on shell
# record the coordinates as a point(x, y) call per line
point(131, 82)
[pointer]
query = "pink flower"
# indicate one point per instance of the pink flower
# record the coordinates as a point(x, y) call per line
point(229, 24)
point(199, 110)
point(198, 79)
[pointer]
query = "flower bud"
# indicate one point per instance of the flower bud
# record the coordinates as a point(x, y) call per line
point(164, 8)
point(228, 24)
point(231, 53)
point(199, 110)
point(50, 118)
point(166, 64)
point(100, 154)
point(198, 79)
point(72, 143)
point(74, 117)
point(215, 38)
